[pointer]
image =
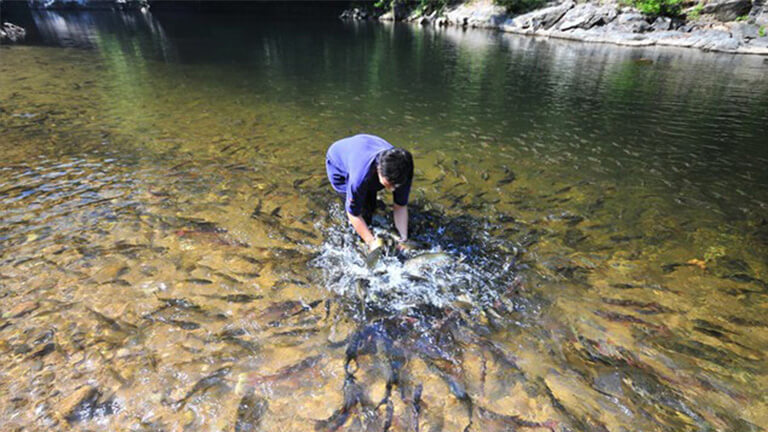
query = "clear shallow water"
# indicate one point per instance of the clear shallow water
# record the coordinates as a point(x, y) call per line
point(164, 209)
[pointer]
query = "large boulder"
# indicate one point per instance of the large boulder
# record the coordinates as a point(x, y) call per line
point(586, 16)
point(480, 14)
point(12, 32)
point(538, 19)
point(759, 13)
point(727, 10)
point(745, 31)
point(661, 24)
point(630, 22)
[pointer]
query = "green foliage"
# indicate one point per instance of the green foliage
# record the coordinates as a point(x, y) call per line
point(520, 6)
point(425, 6)
point(659, 7)
point(429, 6)
point(695, 11)
point(761, 32)
point(742, 18)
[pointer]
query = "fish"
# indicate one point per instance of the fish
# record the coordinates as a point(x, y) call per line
point(111, 323)
point(354, 395)
point(286, 309)
point(508, 178)
point(217, 237)
point(242, 343)
point(186, 325)
point(217, 377)
point(373, 257)
point(198, 281)
point(44, 351)
point(180, 303)
point(236, 298)
point(408, 245)
point(89, 407)
point(426, 259)
point(251, 379)
point(513, 422)
point(250, 412)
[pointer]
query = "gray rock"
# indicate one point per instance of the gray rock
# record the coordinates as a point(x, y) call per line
point(538, 19)
point(745, 31)
point(354, 14)
point(581, 16)
point(689, 27)
point(716, 40)
point(727, 45)
point(477, 15)
point(12, 32)
point(759, 13)
point(727, 10)
point(661, 24)
point(586, 16)
point(630, 22)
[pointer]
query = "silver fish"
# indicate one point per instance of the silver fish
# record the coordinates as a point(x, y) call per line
point(426, 259)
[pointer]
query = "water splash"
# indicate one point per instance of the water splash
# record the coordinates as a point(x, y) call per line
point(464, 266)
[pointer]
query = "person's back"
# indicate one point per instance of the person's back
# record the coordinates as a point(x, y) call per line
point(349, 161)
point(361, 165)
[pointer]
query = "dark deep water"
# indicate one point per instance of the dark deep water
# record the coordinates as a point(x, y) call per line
point(171, 257)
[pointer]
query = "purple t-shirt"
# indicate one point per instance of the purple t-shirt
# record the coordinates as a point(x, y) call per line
point(351, 167)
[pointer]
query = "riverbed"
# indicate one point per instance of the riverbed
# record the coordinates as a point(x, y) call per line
point(173, 257)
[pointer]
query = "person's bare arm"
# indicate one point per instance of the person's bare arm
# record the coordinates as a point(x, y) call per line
point(400, 214)
point(361, 228)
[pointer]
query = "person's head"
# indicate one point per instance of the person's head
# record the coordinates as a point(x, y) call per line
point(395, 167)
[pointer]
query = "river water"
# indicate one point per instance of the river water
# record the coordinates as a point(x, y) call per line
point(172, 257)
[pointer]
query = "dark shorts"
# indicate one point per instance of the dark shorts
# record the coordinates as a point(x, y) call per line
point(369, 206)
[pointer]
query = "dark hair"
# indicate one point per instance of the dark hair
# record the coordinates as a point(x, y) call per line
point(396, 165)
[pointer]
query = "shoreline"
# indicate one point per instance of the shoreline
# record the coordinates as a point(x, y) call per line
point(591, 23)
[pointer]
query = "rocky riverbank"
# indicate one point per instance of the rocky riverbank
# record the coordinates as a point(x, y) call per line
point(730, 26)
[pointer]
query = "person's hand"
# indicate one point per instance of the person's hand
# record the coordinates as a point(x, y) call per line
point(375, 244)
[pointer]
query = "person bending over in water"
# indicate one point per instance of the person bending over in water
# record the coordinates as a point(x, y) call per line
point(360, 166)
